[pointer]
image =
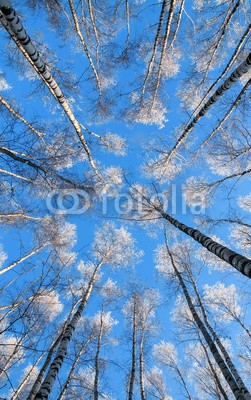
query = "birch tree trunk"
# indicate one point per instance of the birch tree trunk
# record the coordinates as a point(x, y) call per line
point(239, 262)
point(28, 255)
point(218, 341)
point(134, 339)
point(223, 120)
point(141, 368)
point(82, 40)
point(18, 116)
point(239, 395)
point(155, 47)
point(47, 361)
point(14, 155)
point(64, 341)
point(73, 367)
point(238, 72)
point(14, 216)
point(42, 371)
point(163, 50)
point(228, 66)
point(23, 38)
point(215, 376)
point(96, 379)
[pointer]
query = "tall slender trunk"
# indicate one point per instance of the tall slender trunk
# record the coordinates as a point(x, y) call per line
point(95, 30)
point(5, 172)
point(236, 74)
point(239, 395)
point(18, 215)
point(42, 371)
point(22, 119)
point(25, 257)
point(127, 23)
point(73, 367)
point(163, 50)
point(65, 338)
point(215, 376)
point(141, 368)
point(96, 378)
point(47, 361)
point(134, 339)
point(237, 319)
point(8, 363)
point(222, 30)
point(18, 392)
point(227, 68)
point(218, 341)
point(183, 382)
point(38, 168)
point(82, 40)
point(182, 4)
point(223, 120)
point(25, 54)
point(155, 47)
point(239, 262)
point(23, 38)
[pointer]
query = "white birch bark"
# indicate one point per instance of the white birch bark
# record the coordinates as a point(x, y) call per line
point(239, 262)
point(96, 378)
point(82, 40)
point(65, 338)
point(238, 72)
point(133, 364)
point(237, 392)
point(25, 257)
point(25, 41)
point(23, 120)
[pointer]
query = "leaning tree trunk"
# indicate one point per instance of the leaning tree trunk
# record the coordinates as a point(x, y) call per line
point(73, 367)
point(239, 262)
point(215, 376)
point(37, 167)
point(25, 257)
point(228, 66)
point(82, 40)
point(48, 359)
point(218, 341)
point(163, 50)
point(18, 391)
point(133, 365)
point(155, 47)
point(238, 72)
point(9, 107)
point(42, 371)
point(25, 41)
point(226, 116)
point(96, 378)
point(239, 395)
point(65, 338)
point(141, 368)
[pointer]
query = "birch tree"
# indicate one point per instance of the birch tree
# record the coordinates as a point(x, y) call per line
point(231, 376)
point(149, 206)
point(111, 246)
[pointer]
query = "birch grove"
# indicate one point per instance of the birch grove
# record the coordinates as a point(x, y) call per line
point(125, 200)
